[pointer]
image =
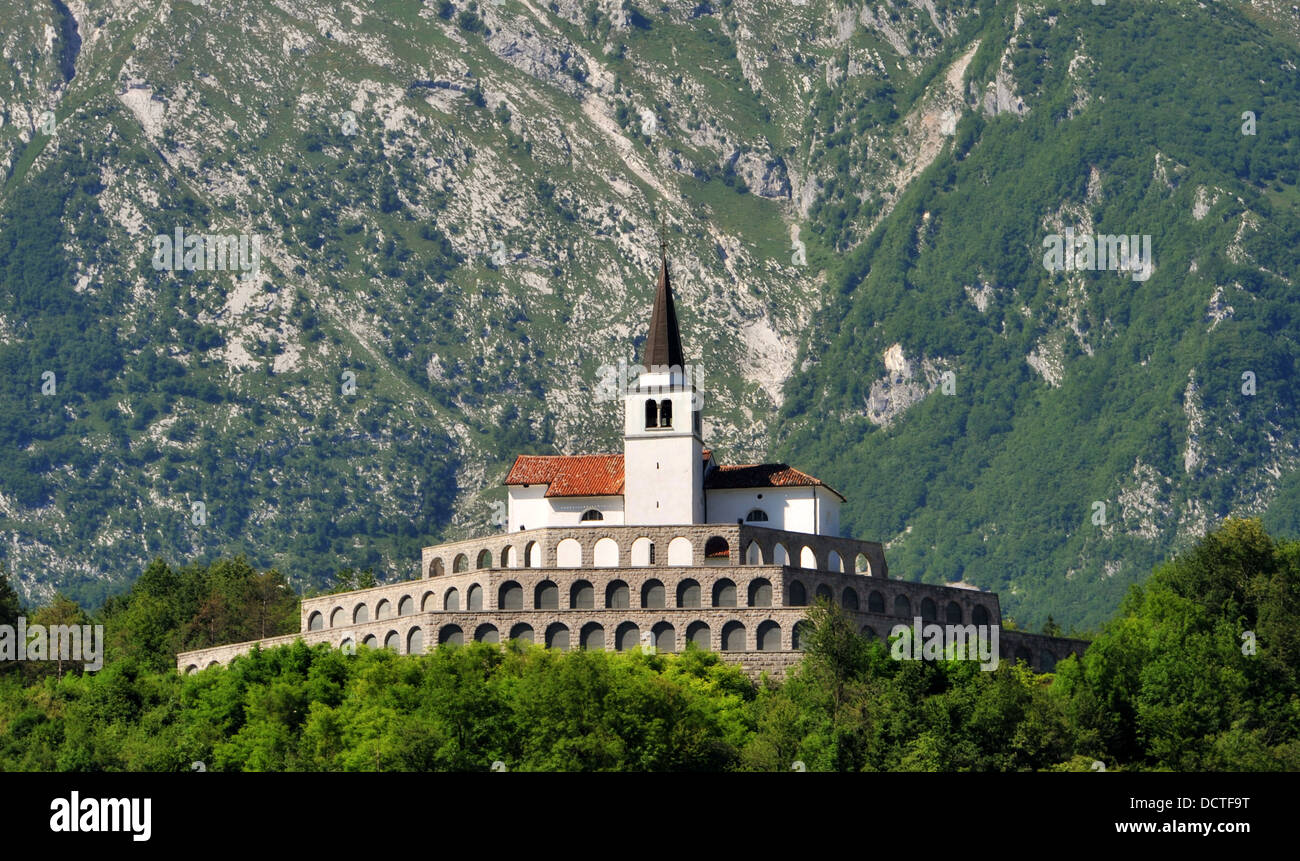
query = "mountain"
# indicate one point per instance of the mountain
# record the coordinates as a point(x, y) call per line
point(455, 210)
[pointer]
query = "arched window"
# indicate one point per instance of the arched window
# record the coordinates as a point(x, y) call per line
point(733, 637)
point(799, 635)
point(383, 610)
point(758, 515)
point(849, 600)
point(902, 606)
point(592, 636)
point(979, 615)
point(393, 641)
point(522, 632)
point(680, 551)
point(876, 602)
point(688, 594)
point(406, 606)
point(415, 642)
point(627, 638)
point(487, 633)
point(715, 548)
point(557, 637)
point(617, 596)
point(427, 603)
point(510, 596)
point(953, 613)
point(652, 595)
point(451, 601)
point(697, 634)
point(929, 612)
point(769, 636)
point(824, 591)
point(546, 596)
point(760, 593)
point(753, 554)
point(643, 552)
point(451, 634)
point(461, 563)
point(651, 414)
point(568, 554)
point(484, 559)
point(474, 598)
point(337, 617)
point(591, 514)
point(798, 595)
point(665, 637)
point(315, 622)
point(435, 568)
point(361, 614)
point(605, 553)
point(582, 596)
point(724, 593)
point(665, 414)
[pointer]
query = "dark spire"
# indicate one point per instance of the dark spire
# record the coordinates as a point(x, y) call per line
point(663, 348)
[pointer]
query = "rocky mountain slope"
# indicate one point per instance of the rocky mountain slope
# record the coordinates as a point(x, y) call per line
point(455, 208)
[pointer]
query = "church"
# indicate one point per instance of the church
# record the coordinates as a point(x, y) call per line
point(659, 547)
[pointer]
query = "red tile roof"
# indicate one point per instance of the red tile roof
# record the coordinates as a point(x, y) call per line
point(763, 475)
point(570, 475)
point(602, 475)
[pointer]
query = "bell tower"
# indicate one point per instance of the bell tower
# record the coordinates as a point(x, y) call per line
point(663, 452)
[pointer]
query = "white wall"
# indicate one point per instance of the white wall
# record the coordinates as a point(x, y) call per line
point(528, 508)
point(813, 510)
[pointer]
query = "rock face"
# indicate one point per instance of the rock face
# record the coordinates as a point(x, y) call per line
point(901, 387)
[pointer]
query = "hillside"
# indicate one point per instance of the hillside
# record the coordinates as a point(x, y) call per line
point(456, 206)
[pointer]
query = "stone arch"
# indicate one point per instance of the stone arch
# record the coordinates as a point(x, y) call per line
point(643, 552)
point(753, 554)
point(393, 641)
point(316, 621)
point(191, 669)
point(824, 591)
point(733, 637)
point(415, 641)
point(361, 613)
point(902, 606)
point(484, 559)
point(698, 633)
point(474, 599)
point(929, 612)
point(511, 557)
point(605, 553)
point(523, 632)
point(533, 555)
point(460, 564)
point(760, 592)
point(383, 610)
point(780, 556)
point(849, 598)
point(716, 548)
point(868, 631)
point(875, 602)
point(617, 596)
point(627, 637)
point(487, 633)
point(510, 596)
point(808, 558)
point(452, 635)
point(338, 618)
point(756, 515)
point(435, 568)
point(369, 641)
point(557, 637)
point(799, 635)
point(582, 596)
point(834, 562)
point(769, 636)
point(724, 593)
point(212, 664)
point(451, 600)
point(952, 613)
point(546, 596)
point(653, 596)
point(862, 565)
point(798, 594)
point(427, 603)
point(592, 636)
point(568, 554)
point(665, 637)
point(980, 615)
point(680, 551)
point(406, 606)
point(688, 593)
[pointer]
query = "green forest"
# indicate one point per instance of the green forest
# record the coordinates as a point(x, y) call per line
point(1172, 682)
